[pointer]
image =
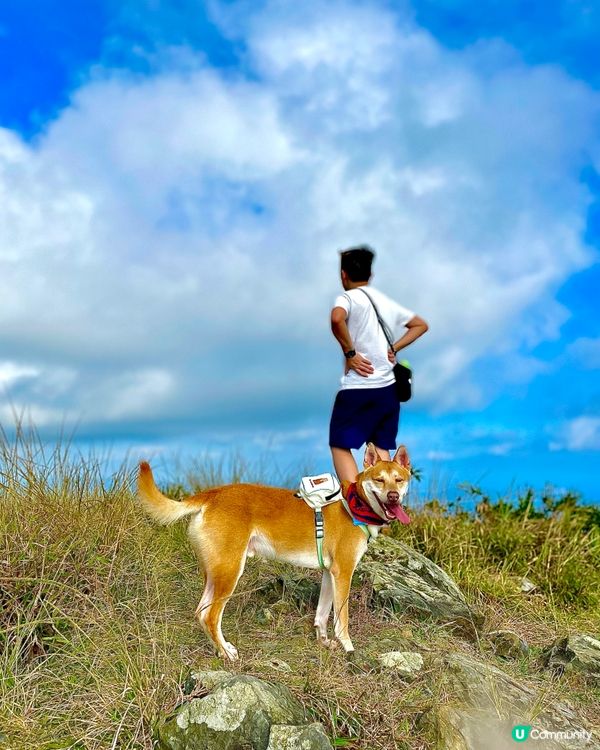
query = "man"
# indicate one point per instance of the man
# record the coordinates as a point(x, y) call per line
point(366, 409)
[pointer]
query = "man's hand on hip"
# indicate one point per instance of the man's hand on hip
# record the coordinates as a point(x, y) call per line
point(359, 364)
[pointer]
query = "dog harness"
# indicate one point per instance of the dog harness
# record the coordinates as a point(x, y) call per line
point(360, 511)
point(316, 492)
point(323, 489)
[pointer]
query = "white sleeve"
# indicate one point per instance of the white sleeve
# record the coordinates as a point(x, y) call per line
point(343, 301)
point(403, 315)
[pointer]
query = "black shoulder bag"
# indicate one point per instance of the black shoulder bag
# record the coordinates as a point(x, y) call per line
point(402, 373)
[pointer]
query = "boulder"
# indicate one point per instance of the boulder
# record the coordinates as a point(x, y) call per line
point(405, 581)
point(309, 737)
point(574, 653)
point(507, 644)
point(228, 711)
point(487, 705)
point(406, 663)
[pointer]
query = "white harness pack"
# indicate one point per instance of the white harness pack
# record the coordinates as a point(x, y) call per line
point(317, 492)
point(320, 490)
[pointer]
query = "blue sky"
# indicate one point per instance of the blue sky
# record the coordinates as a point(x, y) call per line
point(178, 178)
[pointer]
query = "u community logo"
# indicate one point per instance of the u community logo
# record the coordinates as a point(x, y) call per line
point(521, 733)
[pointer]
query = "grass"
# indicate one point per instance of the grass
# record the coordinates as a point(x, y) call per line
point(96, 608)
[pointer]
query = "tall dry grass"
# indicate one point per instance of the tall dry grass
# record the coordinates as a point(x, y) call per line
point(96, 605)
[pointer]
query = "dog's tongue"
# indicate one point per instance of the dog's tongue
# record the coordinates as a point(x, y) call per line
point(398, 512)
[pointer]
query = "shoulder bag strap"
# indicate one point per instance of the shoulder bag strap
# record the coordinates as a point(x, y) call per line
point(384, 328)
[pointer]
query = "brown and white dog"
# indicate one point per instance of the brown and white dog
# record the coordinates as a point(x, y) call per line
point(238, 521)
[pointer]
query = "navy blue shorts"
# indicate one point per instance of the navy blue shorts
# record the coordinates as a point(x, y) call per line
point(365, 415)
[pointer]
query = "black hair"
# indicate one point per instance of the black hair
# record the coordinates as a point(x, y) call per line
point(356, 262)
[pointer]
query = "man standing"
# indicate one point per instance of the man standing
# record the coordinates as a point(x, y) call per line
point(366, 409)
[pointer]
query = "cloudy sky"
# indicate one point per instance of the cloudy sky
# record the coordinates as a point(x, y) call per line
point(177, 178)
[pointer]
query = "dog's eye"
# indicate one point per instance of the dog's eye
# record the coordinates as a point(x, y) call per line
point(377, 479)
point(400, 480)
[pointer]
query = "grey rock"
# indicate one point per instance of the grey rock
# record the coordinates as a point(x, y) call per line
point(293, 587)
point(575, 653)
point(527, 586)
point(264, 616)
point(309, 737)
point(407, 663)
point(278, 665)
point(508, 644)
point(486, 704)
point(404, 580)
point(211, 679)
point(236, 715)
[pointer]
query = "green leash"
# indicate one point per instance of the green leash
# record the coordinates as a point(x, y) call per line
point(319, 534)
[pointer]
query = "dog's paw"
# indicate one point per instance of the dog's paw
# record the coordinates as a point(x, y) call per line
point(229, 651)
point(326, 642)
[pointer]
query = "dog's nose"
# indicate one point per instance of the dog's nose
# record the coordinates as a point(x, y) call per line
point(393, 496)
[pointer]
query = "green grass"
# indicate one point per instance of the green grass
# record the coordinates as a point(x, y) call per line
point(96, 608)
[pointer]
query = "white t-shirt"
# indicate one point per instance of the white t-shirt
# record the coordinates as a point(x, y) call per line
point(367, 337)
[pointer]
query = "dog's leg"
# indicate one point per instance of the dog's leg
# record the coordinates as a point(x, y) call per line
point(221, 580)
point(342, 578)
point(324, 609)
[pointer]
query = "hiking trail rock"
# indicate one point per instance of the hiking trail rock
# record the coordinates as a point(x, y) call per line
point(527, 586)
point(507, 644)
point(486, 704)
point(309, 737)
point(238, 712)
point(406, 581)
point(574, 653)
point(405, 663)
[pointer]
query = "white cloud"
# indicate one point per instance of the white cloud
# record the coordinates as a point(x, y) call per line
point(11, 373)
point(455, 440)
point(129, 395)
point(38, 416)
point(579, 434)
point(168, 244)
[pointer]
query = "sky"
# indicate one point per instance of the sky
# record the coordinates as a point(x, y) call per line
point(177, 179)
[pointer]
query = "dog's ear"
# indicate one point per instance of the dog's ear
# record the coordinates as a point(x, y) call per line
point(401, 457)
point(371, 456)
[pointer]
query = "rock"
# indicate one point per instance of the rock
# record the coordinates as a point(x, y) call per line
point(527, 586)
point(293, 587)
point(575, 653)
point(404, 580)
point(407, 663)
point(264, 616)
point(508, 644)
point(237, 714)
point(309, 737)
point(279, 665)
point(487, 704)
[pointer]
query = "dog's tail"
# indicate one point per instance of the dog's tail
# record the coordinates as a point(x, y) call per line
point(160, 507)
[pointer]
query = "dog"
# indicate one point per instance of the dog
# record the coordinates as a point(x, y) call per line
point(238, 521)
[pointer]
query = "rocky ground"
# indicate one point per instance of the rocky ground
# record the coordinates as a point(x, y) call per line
point(471, 687)
point(470, 627)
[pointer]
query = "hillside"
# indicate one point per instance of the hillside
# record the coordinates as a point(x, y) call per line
point(97, 633)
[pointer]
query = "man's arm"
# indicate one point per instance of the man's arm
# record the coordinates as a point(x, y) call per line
point(416, 327)
point(340, 330)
